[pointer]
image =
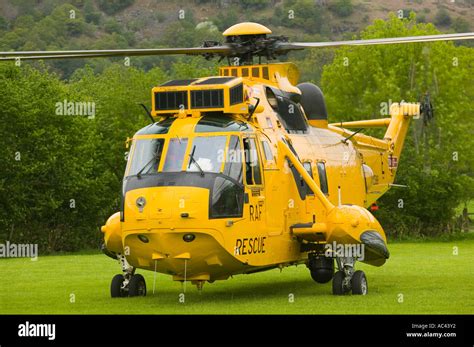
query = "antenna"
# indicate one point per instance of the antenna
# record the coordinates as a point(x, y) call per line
point(350, 136)
point(148, 113)
point(254, 108)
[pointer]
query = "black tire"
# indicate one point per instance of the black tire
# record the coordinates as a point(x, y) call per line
point(137, 286)
point(359, 283)
point(116, 290)
point(337, 281)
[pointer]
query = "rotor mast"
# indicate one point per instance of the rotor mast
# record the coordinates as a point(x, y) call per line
point(249, 40)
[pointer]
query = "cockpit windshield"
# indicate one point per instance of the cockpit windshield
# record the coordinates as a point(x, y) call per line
point(207, 153)
point(147, 155)
point(175, 154)
point(206, 161)
point(216, 154)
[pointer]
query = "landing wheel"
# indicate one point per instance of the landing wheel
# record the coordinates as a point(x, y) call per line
point(359, 283)
point(338, 287)
point(137, 286)
point(116, 290)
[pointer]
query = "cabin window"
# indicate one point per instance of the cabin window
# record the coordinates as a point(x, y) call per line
point(267, 151)
point(225, 72)
point(175, 154)
point(269, 122)
point(265, 72)
point(307, 166)
point(323, 180)
point(234, 72)
point(146, 156)
point(207, 154)
point(252, 164)
point(245, 72)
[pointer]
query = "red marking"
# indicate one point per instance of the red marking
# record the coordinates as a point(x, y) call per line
point(374, 207)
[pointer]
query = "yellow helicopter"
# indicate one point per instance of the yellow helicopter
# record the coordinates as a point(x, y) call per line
point(241, 172)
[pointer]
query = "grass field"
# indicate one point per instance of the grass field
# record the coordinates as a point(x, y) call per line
point(428, 275)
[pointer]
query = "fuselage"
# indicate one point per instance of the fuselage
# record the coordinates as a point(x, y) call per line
point(207, 195)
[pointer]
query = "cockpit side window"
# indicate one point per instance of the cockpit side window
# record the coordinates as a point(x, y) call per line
point(233, 160)
point(252, 163)
point(175, 154)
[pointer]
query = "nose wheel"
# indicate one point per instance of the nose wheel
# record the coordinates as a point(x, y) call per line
point(346, 279)
point(117, 289)
point(359, 283)
point(127, 284)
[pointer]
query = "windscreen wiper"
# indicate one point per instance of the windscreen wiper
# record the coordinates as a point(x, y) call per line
point(191, 159)
point(155, 157)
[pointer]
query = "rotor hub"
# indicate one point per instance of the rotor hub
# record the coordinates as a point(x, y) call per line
point(246, 28)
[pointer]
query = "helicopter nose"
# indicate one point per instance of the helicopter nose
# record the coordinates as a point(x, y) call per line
point(168, 229)
point(155, 206)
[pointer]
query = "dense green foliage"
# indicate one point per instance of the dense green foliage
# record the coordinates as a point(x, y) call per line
point(300, 14)
point(442, 17)
point(60, 176)
point(47, 164)
point(113, 6)
point(437, 162)
point(342, 8)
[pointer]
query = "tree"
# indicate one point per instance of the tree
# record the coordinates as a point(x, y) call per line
point(113, 6)
point(343, 8)
point(461, 25)
point(436, 163)
point(442, 17)
point(48, 180)
point(254, 4)
point(303, 14)
point(3, 23)
point(61, 173)
point(90, 13)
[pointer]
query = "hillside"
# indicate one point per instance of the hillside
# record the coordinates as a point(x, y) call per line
point(147, 18)
point(100, 24)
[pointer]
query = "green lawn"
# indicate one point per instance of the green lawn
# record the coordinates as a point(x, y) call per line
point(428, 275)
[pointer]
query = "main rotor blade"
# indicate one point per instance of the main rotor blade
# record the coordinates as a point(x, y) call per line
point(223, 50)
point(41, 57)
point(112, 53)
point(370, 42)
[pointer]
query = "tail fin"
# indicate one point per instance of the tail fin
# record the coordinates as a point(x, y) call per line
point(381, 156)
point(398, 126)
